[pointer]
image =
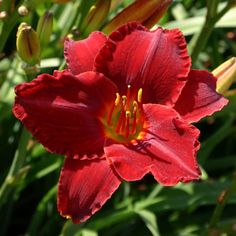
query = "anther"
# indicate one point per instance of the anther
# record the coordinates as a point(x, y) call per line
point(135, 106)
point(140, 93)
point(117, 101)
point(124, 100)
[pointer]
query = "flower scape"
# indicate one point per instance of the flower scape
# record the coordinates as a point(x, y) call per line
point(122, 109)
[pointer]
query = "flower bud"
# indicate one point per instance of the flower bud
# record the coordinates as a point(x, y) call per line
point(96, 16)
point(225, 74)
point(44, 27)
point(27, 44)
point(3, 15)
point(143, 11)
point(23, 10)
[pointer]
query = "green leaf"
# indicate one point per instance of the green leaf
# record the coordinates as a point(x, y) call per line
point(192, 25)
point(113, 217)
point(208, 146)
point(41, 211)
point(77, 230)
point(87, 232)
point(150, 221)
point(184, 196)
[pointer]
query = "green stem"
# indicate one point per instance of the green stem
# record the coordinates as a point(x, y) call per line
point(223, 11)
point(9, 188)
point(212, 7)
point(41, 211)
point(17, 164)
point(19, 158)
point(200, 40)
point(7, 29)
point(222, 200)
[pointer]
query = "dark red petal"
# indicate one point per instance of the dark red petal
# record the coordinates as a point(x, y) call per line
point(80, 55)
point(166, 148)
point(84, 187)
point(199, 97)
point(155, 60)
point(61, 112)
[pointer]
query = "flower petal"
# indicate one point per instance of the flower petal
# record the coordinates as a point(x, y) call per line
point(199, 97)
point(61, 112)
point(156, 60)
point(84, 187)
point(166, 148)
point(80, 54)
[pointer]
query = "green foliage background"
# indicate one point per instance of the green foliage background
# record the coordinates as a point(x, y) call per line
point(28, 188)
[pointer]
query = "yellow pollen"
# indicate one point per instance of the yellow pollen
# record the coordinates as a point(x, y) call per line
point(124, 101)
point(140, 93)
point(135, 105)
point(127, 114)
point(117, 101)
point(124, 97)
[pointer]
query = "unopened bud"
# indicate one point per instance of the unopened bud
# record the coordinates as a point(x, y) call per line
point(44, 27)
point(96, 16)
point(232, 3)
point(27, 44)
point(75, 32)
point(3, 14)
point(23, 11)
point(143, 11)
point(222, 196)
point(225, 74)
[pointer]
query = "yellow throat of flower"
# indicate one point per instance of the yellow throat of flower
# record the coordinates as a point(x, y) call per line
point(124, 121)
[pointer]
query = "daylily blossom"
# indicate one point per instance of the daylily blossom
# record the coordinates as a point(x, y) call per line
point(121, 110)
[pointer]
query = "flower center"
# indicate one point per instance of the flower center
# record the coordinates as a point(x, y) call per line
point(125, 119)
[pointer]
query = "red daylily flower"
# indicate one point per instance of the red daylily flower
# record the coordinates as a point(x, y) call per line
point(122, 110)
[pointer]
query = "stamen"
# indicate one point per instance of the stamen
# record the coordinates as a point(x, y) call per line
point(117, 101)
point(126, 116)
point(120, 122)
point(140, 93)
point(124, 102)
point(127, 119)
point(135, 105)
